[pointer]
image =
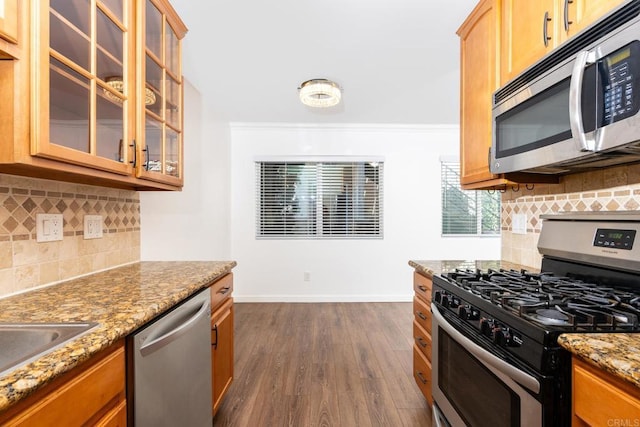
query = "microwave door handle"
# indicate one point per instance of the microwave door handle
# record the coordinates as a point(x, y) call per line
point(512, 372)
point(575, 100)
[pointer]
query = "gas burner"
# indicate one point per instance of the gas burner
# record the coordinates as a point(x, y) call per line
point(549, 316)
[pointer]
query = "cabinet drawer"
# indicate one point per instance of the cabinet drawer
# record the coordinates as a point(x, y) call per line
point(422, 339)
point(422, 286)
point(220, 290)
point(599, 398)
point(422, 373)
point(422, 314)
point(117, 417)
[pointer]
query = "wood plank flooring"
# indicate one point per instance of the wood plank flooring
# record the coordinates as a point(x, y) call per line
point(328, 364)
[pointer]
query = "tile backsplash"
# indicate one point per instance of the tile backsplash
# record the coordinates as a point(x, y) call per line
point(25, 263)
point(613, 189)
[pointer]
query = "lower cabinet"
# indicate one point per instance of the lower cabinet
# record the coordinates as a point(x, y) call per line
point(600, 399)
point(90, 394)
point(221, 338)
point(422, 334)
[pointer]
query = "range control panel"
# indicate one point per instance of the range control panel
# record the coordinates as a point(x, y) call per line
point(614, 238)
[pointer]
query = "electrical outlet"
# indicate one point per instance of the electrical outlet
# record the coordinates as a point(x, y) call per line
point(49, 227)
point(92, 226)
point(307, 276)
point(519, 224)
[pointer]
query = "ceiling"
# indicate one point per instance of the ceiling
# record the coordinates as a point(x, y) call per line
point(397, 60)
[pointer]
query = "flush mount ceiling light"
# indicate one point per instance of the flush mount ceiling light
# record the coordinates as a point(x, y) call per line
point(320, 93)
point(117, 84)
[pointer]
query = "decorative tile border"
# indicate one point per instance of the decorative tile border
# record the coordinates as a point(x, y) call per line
point(19, 206)
point(625, 198)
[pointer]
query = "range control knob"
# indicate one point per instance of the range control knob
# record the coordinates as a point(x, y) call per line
point(486, 326)
point(446, 300)
point(466, 312)
point(501, 336)
point(437, 297)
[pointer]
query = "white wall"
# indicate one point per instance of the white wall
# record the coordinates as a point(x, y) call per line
point(192, 224)
point(347, 270)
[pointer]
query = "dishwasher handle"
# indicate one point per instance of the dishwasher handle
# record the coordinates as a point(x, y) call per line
point(173, 334)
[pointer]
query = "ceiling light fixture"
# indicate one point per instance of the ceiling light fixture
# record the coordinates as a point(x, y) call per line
point(117, 84)
point(320, 93)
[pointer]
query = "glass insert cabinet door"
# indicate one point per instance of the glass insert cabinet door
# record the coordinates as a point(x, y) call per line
point(84, 97)
point(161, 88)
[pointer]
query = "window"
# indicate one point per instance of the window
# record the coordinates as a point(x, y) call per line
point(466, 212)
point(319, 199)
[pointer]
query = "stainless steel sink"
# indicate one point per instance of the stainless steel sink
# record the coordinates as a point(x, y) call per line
point(21, 343)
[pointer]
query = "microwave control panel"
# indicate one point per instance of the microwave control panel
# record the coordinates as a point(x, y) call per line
point(620, 72)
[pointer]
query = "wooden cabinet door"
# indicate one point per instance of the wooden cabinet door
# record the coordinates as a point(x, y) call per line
point(579, 14)
point(222, 351)
point(84, 84)
point(90, 394)
point(9, 20)
point(478, 81)
point(523, 34)
point(599, 397)
point(160, 86)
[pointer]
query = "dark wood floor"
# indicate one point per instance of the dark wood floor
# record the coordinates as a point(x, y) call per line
point(329, 364)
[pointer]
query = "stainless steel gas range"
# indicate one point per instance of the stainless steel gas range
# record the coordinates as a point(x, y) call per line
point(496, 360)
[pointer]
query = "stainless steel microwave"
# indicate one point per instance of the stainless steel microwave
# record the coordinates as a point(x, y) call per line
point(578, 107)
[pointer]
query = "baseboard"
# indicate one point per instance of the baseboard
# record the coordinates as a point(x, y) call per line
point(323, 298)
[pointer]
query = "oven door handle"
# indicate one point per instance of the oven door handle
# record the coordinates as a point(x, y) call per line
point(515, 374)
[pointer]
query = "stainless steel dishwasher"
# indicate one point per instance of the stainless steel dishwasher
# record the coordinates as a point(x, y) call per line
point(170, 367)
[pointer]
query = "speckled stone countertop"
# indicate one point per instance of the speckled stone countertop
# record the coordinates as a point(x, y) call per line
point(618, 354)
point(431, 267)
point(121, 300)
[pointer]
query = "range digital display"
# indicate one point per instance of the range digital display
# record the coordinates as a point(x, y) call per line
point(614, 238)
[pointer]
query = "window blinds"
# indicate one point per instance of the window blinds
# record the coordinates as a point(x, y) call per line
point(467, 212)
point(319, 199)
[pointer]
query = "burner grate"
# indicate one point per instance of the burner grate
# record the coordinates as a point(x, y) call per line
point(558, 301)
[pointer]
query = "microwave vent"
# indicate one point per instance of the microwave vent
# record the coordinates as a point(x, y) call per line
point(623, 155)
point(569, 49)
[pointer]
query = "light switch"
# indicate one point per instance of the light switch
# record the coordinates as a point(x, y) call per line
point(49, 227)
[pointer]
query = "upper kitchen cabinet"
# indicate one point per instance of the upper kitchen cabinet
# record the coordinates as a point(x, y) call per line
point(84, 78)
point(579, 14)
point(74, 107)
point(478, 81)
point(531, 29)
point(160, 86)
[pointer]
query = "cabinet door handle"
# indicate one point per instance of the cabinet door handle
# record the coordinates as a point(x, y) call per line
point(566, 14)
point(135, 154)
point(545, 29)
point(224, 290)
point(421, 315)
point(146, 156)
point(421, 377)
point(422, 342)
point(215, 343)
point(423, 288)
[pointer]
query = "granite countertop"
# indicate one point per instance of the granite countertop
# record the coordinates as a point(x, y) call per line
point(431, 267)
point(618, 354)
point(120, 300)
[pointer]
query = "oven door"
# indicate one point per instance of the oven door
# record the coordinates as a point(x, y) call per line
point(474, 387)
